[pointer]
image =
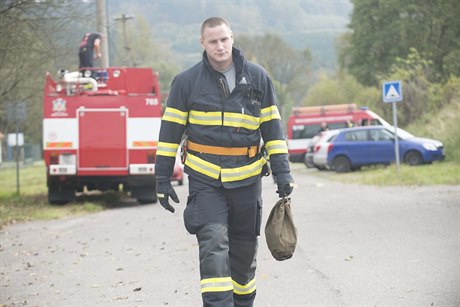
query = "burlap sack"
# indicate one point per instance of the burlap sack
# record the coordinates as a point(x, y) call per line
point(280, 231)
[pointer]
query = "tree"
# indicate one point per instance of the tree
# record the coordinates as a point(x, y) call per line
point(420, 95)
point(143, 50)
point(343, 89)
point(289, 68)
point(381, 31)
point(36, 37)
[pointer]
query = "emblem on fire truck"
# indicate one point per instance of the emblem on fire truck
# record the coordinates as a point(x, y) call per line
point(59, 105)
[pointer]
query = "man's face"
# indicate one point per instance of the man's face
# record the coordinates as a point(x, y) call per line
point(218, 42)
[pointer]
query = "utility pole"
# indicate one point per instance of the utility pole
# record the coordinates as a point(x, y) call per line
point(101, 13)
point(123, 20)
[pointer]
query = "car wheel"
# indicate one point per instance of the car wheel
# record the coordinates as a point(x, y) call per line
point(413, 158)
point(307, 161)
point(341, 164)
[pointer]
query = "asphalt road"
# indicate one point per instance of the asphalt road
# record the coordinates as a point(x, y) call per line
point(357, 246)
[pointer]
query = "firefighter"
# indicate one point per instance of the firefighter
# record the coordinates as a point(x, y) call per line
point(90, 49)
point(223, 105)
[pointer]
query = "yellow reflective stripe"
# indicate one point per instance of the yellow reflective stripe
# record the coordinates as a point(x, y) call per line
point(175, 115)
point(205, 118)
point(219, 284)
point(276, 147)
point(244, 289)
point(202, 166)
point(269, 113)
point(243, 172)
point(241, 120)
point(167, 149)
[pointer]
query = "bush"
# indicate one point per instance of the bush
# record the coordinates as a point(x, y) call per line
point(443, 123)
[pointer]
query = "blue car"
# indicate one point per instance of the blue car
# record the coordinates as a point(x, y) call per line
point(368, 145)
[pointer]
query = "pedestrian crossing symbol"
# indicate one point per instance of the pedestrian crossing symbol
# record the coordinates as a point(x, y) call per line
point(392, 91)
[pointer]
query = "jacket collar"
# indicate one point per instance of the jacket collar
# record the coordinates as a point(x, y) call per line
point(238, 60)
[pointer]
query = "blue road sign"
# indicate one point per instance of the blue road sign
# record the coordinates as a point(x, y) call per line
point(392, 91)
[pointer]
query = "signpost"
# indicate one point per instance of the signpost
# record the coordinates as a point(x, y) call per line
point(16, 112)
point(392, 92)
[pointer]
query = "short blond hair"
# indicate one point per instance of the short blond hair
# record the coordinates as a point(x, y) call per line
point(212, 22)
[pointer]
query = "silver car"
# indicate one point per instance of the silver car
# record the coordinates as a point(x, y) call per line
point(322, 147)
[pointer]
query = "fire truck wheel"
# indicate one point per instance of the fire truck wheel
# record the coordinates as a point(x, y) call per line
point(146, 201)
point(144, 194)
point(60, 195)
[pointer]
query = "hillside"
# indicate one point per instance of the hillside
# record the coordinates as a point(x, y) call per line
point(303, 24)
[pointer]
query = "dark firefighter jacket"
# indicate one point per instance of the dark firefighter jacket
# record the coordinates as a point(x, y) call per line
point(201, 105)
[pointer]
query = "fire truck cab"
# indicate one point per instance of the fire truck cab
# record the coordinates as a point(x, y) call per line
point(305, 122)
point(100, 131)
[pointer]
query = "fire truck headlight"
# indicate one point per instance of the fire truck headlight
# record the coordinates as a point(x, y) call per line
point(67, 159)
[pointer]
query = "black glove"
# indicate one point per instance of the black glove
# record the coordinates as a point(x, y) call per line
point(164, 191)
point(285, 184)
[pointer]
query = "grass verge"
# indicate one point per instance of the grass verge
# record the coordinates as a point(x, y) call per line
point(32, 201)
point(437, 173)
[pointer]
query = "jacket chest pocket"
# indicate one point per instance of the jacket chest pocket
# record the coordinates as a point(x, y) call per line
point(252, 102)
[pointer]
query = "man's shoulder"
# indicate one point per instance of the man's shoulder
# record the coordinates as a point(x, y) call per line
point(95, 35)
point(256, 69)
point(190, 72)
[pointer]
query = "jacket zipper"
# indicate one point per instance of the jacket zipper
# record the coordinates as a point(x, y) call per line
point(224, 87)
point(224, 90)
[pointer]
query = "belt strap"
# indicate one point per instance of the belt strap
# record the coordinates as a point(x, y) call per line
point(224, 151)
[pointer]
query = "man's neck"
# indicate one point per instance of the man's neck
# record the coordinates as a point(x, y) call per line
point(221, 66)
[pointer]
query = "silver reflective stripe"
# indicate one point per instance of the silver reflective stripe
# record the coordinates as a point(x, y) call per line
point(244, 289)
point(218, 284)
point(244, 172)
point(175, 115)
point(276, 147)
point(241, 120)
point(205, 118)
point(202, 166)
point(269, 113)
point(167, 149)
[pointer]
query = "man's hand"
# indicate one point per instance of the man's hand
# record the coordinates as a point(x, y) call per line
point(285, 184)
point(164, 191)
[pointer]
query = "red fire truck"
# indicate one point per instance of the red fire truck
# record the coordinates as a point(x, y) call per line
point(100, 132)
point(305, 122)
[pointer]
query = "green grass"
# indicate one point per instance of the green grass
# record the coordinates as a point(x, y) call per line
point(32, 201)
point(437, 173)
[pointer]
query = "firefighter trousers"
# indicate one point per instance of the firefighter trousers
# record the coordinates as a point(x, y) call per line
point(226, 223)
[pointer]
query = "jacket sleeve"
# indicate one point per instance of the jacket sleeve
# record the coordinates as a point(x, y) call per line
point(172, 128)
point(272, 131)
